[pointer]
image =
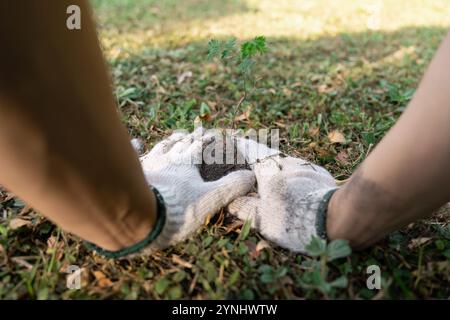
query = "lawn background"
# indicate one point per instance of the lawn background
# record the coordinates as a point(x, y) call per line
point(333, 67)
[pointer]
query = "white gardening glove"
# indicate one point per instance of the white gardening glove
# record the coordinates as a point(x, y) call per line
point(291, 192)
point(188, 199)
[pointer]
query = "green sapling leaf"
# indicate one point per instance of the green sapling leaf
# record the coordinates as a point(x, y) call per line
point(252, 47)
point(213, 48)
point(340, 282)
point(338, 249)
point(228, 48)
point(316, 247)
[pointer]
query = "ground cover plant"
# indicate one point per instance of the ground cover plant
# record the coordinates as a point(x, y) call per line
point(334, 77)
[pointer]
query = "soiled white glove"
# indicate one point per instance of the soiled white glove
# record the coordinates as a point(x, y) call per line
point(291, 192)
point(171, 168)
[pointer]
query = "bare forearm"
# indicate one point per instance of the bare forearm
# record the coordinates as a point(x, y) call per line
point(407, 176)
point(63, 147)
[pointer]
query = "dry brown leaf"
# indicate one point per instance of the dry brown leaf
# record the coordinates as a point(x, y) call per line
point(255, 250)
point(262, 244)
point(22, 262)
point(323, 152)
point(207, 219)
point(212, 105)
point(197, 122)
point(184, 76)
point(323, 88)
point(314, 131)
point(25, 210)
point(161, 90)
point(342, 157)
point(280, 124)
point(336, 136)
point(296, 84)
point(51, 242)
point(221, 217)
point(208, 117)
point(418, 242)
point(9, 196)
point(244, 116)
point(211, 67)
point(287, 92)
point(16, 223)
point(102, 280)
point(251, 248)
point(176, 259)
point(236, 224)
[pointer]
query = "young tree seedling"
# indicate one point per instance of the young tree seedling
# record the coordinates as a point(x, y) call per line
point(241, 57)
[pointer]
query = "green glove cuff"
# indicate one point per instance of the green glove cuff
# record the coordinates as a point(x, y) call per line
point(322, 212)
point(154, 233)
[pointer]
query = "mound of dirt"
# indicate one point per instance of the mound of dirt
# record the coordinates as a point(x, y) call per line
point(215, 171)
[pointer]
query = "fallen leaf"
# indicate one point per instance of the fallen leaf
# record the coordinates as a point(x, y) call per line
point(323, 152)
point(176, 259)
point(418, 242)
point(212, 105)
point(161, 90)
point(207, 219)
point(251, 248)
point(336, 137)
point(16, 223)
point(255, 250)
point(280, 124)
point(296, 84)
point(198, 122)
point(236, 224)
point(221, 217)
point(314, 131)
point(102, 280)
point(262, 244)
point(211, 67)
point(286, 280)
point(51, 242)
point(25, 210)
point(323, 88)
point(184, 76)
point(287, 92)
point(22, 262)
point(342, 157)
point(9, 196)
point(244, 116)
point(207, 117)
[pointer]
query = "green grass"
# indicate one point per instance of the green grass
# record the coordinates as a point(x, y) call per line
point(324, 71)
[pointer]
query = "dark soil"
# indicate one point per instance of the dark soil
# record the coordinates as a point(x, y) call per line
point(215, 171)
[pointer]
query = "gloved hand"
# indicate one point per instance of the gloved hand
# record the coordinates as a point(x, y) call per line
point(292, 193)
point(171, 168)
